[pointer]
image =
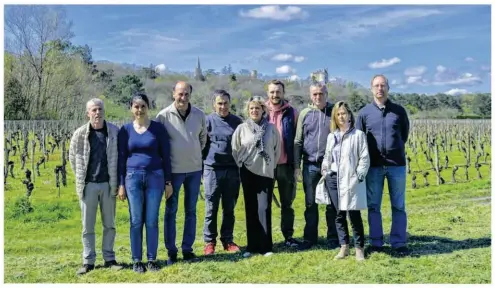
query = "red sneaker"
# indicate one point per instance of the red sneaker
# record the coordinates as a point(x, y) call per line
point(209, 248)
point(231, 247)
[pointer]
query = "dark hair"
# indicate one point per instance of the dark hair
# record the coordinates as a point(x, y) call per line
point(140, 96)
point(277, 82)
point(221, 93)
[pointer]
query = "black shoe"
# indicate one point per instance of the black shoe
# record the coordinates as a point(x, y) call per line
point(172, 259)
point(139, 267)
point(153, 266)
point(332, 244)
point(374, 249)
point(305, 245)
point(402, 251)
point(85, 269)
point(292, 243)
point(113, 265)
point(190, 257)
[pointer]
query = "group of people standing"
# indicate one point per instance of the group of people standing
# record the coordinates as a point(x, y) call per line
point(147, 160)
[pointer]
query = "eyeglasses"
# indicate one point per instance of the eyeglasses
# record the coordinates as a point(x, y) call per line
point(256, 98)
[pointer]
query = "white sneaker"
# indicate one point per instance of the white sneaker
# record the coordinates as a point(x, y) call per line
point(268, 254)
point(247, 254)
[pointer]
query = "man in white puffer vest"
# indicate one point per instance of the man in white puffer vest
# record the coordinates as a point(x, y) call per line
point(93, 158)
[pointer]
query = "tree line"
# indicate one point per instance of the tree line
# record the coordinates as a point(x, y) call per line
point(48, 77)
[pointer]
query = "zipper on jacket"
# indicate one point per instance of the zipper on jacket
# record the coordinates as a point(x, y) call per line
point(340, 156)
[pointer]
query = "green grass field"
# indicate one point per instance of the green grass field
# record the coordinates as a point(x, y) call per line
point(449, 238)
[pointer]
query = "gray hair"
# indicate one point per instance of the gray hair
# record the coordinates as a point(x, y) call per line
point(319, 85)
point(95, 101)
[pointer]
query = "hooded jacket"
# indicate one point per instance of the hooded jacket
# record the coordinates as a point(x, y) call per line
point(353, 164)
point(313, 127)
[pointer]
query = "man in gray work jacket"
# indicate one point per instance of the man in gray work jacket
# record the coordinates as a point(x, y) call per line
point(313, 127)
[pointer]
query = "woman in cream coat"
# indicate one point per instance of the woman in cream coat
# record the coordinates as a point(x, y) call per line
point(345, 166)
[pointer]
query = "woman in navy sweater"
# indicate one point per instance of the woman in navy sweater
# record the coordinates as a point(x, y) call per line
point(144, 170)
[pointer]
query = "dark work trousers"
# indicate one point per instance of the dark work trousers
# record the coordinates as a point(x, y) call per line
point(341, 218)
point(224, 184)
point(257, 192)
point(286, 183)
point(311, 175)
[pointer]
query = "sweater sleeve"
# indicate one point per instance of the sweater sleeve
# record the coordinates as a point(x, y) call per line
point(405, 127)
point(236, 145)
point(363, 157)
point(360, 122)
point(203, 134)
point(123, 139)
point(165, 152)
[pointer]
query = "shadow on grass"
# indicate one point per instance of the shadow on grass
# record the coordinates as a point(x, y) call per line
point(418, 246)
point(430, 245)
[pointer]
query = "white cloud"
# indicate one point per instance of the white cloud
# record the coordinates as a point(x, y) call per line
point(285, 69)
point(441, 68)
point(456, 92)
point(277, 35)
point(383, 22)
point(299, 59)
point(446, 76)
point(274, 12)
point(413, 79)
point(293, 78)
point(384, 63)
point(469, 59)
point(415, 71)
point(394, 82)
point(287, 57)
point(282, 57)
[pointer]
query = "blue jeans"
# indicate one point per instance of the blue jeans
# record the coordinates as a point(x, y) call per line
point(396, 179)
point(311, 175)
point(144, 194)
point(191, 182)
point(220, 184)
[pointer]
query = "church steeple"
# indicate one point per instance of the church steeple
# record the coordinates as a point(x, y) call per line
point(198, 74)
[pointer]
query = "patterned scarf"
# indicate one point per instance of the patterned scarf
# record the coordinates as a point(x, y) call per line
point(259, 133)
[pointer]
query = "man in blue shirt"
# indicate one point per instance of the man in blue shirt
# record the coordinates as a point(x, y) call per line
point(386, 125)
point(221, 174)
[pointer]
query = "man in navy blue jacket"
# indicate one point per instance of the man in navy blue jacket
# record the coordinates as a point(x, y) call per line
point(386, 125)
point(221, 174)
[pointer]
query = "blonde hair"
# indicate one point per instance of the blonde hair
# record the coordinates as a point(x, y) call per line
point(258, 100)
point(333, 118)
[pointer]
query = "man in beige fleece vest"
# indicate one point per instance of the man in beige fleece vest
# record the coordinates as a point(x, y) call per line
point(93, 158)
point(186, 126)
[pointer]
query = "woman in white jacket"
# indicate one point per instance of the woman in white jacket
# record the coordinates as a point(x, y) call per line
point(345, 166)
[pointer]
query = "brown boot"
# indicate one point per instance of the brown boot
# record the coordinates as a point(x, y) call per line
point(359, 253)
point(344, 251)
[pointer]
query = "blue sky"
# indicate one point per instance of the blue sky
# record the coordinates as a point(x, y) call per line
point(422, 48)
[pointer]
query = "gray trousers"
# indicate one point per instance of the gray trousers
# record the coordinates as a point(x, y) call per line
point(94, 194)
